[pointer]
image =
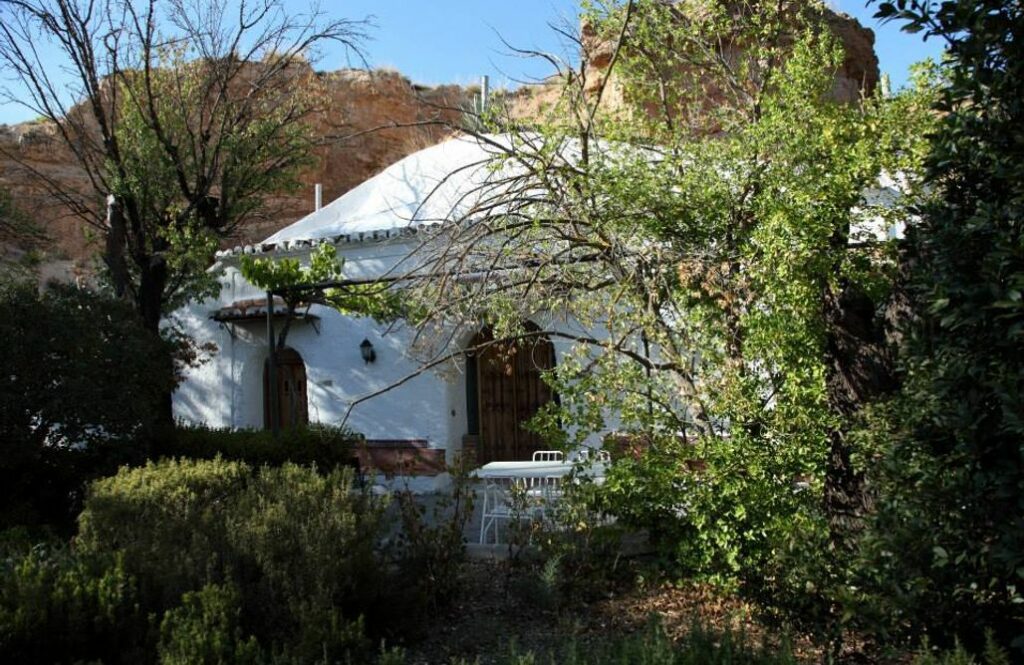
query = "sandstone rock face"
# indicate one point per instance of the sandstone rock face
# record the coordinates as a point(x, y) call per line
point(40, 155)
point(362, 136)
point(859, 71)
point(363, 132)
point(857, 75)
point(374, 118)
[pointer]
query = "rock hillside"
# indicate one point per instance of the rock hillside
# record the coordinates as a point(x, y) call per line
point(361, 123)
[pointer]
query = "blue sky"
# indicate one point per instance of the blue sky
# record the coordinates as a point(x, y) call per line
point(457, 41)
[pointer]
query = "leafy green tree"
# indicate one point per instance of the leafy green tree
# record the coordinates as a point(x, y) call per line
point(947, 545)
point(712, 222)
point(81, 389)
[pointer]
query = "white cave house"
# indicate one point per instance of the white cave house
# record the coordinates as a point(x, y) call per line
point(327, 366)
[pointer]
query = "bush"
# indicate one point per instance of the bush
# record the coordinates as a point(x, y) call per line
point(297, 546)
point(59, 607)
point(932, 559)
point(715, 512)
point(945, 548)
point(324, 446)
point(205, 630)
point(82, 385)
point(430, 552)
point(309, 543)
point(169, 520)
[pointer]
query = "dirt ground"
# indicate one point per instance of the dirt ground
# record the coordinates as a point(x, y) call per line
point(497, 608)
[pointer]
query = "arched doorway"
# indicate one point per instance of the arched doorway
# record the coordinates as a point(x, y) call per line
point(292, 407)
point(504, 389)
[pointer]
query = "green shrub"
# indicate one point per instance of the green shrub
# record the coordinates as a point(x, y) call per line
point(324, 446)
point(931, 562)
point(306, 547)
point(170, 521)
point(298, 545)
point(945, 547)
point(59, 607)
point(80, 393)
point(205, 630)
point(211, 561)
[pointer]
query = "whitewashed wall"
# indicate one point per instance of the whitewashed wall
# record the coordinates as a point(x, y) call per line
point(227, 390)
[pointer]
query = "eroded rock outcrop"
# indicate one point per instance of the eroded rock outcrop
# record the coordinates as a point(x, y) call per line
point(373, 119)
point(857, 75)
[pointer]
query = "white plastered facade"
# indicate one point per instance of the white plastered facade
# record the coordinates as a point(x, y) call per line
point(373, 228)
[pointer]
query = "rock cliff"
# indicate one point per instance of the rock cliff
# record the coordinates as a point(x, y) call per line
point(858, 73)
point(362, 137)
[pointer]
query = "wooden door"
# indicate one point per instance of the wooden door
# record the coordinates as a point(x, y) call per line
point(292, 405)
point(510, 392)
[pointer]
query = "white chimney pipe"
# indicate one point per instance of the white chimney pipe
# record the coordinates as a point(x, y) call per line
point(318, 196)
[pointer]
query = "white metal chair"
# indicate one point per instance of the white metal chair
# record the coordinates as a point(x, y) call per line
point(548, 456)
point(521, 499)
point(602, 456)
point(497, 506)
point(542, 492)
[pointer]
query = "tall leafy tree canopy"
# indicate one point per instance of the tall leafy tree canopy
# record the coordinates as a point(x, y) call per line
point(723, 220)
point(949, 537)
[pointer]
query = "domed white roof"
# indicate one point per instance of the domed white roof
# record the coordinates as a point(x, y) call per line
point(440, 183)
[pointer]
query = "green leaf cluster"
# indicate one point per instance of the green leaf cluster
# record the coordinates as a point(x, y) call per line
point(947, 545)
point(321, 280)
point(80, 393)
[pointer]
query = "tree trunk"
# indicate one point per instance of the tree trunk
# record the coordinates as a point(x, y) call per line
point(150, 303)
point(114, 256)
point(860, 355)
point(858, 370)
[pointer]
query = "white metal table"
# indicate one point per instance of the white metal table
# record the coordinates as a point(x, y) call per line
point(541, 479)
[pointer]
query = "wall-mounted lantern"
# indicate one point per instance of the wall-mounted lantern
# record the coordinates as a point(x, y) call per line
point(366, 349)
